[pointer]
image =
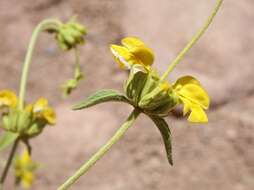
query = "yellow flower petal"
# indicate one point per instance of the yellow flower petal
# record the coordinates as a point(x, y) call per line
point(29, 108)
point(144, 54)
point(195, 94)
point(194, 98)
point(25, 158)
point(123, 56)
point(8, 99)
point(133, 51)
point(139, 50)
point(50, 115)
point(40, 105)
point(132, 42)
point(24, 169)
point(192, 90)
point(186, 105)
point(186, 80)
point(165, 86)
point(27, 179)
point(42, 110)
point(197, 115)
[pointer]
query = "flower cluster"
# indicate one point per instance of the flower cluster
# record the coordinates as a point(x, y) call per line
point(27, 122)
point(70, 35)
point(149, 92)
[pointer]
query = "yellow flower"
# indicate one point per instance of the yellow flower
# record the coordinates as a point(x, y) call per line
point(24, 169)
point(133, 51)
point(136, 56)
point(165, 86)
point(8, 99)
point(42, 110)
point(194, 98)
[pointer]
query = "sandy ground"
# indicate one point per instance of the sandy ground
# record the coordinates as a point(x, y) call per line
point(215, 156)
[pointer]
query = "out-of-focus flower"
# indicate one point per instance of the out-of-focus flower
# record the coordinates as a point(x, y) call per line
point(27, 122)
point(8, 99)
point(24, 169)
point(42, 110)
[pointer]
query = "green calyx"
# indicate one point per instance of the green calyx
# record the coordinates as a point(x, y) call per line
point(23, 123)
point(135, 83)
point(148, 93)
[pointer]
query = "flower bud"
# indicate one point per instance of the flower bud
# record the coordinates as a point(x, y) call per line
point(70, 35)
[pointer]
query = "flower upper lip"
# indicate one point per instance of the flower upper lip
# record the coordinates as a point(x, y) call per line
point(193, 97)
point(133, 51)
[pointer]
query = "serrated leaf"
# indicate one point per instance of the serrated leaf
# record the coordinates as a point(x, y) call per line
point(7, 139)
point(166, 135)
point(100, 97)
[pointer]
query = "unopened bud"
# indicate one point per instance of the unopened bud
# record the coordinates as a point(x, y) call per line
point(70, 35)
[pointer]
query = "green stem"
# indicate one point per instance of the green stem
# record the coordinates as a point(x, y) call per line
point(77, 55)
point(48, 24)
point(8, 163)
point(103, 150)
point(77, 71)
point(193, 41)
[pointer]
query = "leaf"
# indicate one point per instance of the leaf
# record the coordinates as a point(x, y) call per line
point(166, 135)
point(100, 97)
point(6, 139)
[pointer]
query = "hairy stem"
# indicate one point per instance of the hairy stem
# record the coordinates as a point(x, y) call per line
point(48, 24)
point(8, 163)
point(103, 150)
point(193, 41)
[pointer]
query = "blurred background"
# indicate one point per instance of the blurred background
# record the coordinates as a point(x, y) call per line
point(219, 155)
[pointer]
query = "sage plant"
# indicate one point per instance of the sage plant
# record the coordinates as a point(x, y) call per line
point(149, 93)
point(145, 90)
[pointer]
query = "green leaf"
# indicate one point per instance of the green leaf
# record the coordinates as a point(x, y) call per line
point(166, 135)
point(100, 97)
point(6, 139)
